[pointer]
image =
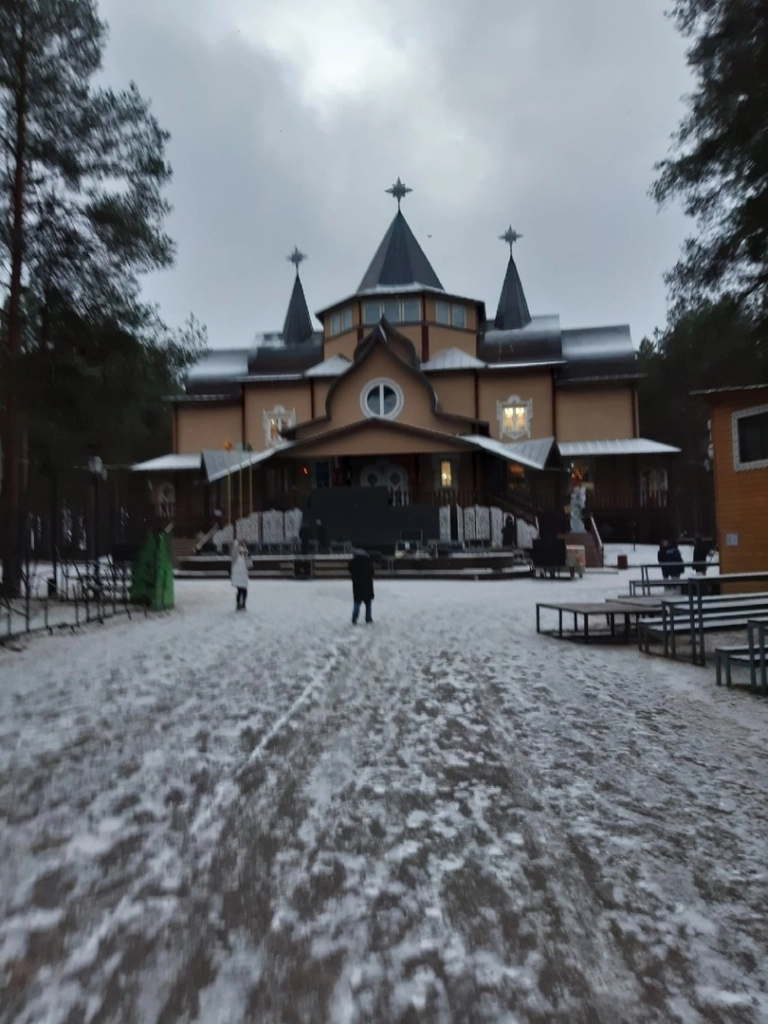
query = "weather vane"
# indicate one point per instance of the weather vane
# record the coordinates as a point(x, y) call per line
point(510, 236)
point(399, 191)
point(296, 257)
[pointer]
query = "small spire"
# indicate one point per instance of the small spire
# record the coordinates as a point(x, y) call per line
point(510, 236)
point(296, 258)
point(399, 191)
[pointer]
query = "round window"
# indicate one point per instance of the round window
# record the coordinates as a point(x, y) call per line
point(382, 398)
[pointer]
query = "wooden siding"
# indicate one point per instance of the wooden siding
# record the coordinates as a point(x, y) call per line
point(741, 495)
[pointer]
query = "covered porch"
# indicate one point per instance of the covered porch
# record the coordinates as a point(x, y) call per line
point(629, 484)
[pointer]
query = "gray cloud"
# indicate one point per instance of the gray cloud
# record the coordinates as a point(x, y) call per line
point(289, 118)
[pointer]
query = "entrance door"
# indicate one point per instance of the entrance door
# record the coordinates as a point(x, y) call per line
point(390, 475)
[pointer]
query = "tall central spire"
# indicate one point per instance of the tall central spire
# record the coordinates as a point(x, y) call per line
point(512, 313)
point(298, 323)
point(399, 260)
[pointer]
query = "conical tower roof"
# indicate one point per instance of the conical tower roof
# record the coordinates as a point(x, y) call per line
point(399, 260)
point(512, 313)
point(298, 323)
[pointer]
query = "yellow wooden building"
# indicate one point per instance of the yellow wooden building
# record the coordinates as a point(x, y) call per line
point(414, 388)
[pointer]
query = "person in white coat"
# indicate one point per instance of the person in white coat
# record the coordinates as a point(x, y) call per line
point(238, 574)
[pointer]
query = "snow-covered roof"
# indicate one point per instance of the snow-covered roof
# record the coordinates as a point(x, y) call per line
point(452, 359)
point(220, 364)
point(221, 463)
point(333, 367)
point(512, 452)
point(527, 365)
point(619, 446)
point(169, 464)
point(536, 450)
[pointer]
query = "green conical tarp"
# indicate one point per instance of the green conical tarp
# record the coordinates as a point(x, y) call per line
point(163, 593)
point(152, 584)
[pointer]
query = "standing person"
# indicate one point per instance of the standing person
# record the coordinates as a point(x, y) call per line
point(322, 537)
point(238, 574)
point(305, 535)
point(508, 537)
point(361, 571)
point(700, 554)
point(671, 560)
point(663, 558)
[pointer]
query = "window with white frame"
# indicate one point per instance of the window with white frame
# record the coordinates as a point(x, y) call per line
point(750, 438)
point(275, 422)
point(515, 417)
point(341, 321)
point(397, 311)
point(450, 314)
point(382, 398)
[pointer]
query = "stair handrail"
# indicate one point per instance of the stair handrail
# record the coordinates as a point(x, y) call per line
point(515, 508)
point(598, 539)
point(204, 540)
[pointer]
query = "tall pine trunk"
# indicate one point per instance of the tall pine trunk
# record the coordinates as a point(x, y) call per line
point(12, 425)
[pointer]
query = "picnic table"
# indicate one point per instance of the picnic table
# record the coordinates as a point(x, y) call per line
point(587, 610)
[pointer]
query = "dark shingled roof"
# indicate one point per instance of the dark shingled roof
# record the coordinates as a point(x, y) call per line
point(512, 313)
point(598, 353)
point(399, 260)
point(298, 323)
point(287, 360)
point(540, 339)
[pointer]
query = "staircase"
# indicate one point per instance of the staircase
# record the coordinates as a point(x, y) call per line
point(183, 547)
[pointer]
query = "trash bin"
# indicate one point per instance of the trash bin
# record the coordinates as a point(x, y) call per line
point(621, 562)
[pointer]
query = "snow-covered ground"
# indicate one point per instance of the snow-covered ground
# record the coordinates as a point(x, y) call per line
point(278, 817)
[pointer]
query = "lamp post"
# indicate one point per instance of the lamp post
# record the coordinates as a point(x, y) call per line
point(98, 473)
point(228, 449)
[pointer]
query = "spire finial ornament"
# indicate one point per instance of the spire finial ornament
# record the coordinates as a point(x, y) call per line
point(510, 236)
point(399, 191)
point(296, 258)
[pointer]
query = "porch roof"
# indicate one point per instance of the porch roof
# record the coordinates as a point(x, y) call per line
point(619, 446)
point(169, 464)
point(219, 464)
point(533, 454)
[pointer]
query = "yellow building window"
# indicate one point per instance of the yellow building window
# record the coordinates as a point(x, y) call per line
point(276, 422)
point(514, 418)
point(275, 428)
point(446, 473)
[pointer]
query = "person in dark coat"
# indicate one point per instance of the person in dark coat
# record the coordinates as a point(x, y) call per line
point(670, 560)
point(322, 536)
point(361, 571)
point(305, 535)
point(508, 537)
point(701, 552)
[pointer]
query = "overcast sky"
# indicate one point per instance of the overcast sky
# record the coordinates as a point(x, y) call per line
point(290, 118)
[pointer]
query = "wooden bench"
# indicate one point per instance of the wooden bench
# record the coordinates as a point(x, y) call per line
point(685, 616)
point(751, 655)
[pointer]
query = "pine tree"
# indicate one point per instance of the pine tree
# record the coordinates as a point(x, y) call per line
point(719, 166)
point(81, 205)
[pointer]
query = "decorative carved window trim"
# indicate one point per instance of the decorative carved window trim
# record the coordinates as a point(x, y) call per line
point(518, 430)
point(280, 416)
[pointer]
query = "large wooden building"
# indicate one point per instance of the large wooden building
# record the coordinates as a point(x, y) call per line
point(411, 387)
point(739, 433)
